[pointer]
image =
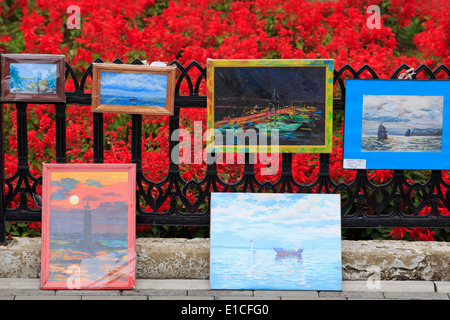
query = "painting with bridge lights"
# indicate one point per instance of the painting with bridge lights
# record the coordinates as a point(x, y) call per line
point(88, 226)
point(259, 105)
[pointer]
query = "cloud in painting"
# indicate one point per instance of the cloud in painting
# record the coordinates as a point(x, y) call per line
point(275, 219)
point(134, 84)
point(111, 194)
point(67, 185)
point(91, 198)
point(58, 195)
point(93, 183)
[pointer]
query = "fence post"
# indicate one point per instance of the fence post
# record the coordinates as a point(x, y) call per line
point(2, 181)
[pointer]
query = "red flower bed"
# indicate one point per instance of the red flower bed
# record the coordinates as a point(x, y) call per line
point(412, 32)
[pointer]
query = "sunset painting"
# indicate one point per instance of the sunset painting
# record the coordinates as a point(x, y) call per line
point(88, 226)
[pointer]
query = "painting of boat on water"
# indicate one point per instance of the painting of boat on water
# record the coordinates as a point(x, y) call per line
point(133, 89)
point(402, 123)
point(289, 99)
point(88, 228)
point(275, 241)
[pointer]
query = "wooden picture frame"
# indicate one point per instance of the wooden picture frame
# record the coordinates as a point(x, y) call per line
point(133, 89)
point(88, 226)
point(37, 78)
point(294, 97)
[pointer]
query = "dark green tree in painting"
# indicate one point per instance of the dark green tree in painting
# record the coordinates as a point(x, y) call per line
point(16, 81)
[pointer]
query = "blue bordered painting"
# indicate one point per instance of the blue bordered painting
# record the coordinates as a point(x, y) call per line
point(397, 124)
point(275, 241)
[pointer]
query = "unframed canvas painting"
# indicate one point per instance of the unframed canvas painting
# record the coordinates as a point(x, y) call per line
point(275, 241)
point(88, 237)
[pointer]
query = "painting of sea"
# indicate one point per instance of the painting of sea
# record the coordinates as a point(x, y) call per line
point(37, 78)
point(402, 123)
point(88, 226)
point(397, 124)
point(133, 89)
point(275, 241)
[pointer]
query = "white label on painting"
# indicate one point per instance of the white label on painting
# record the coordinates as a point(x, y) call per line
point(354, 163)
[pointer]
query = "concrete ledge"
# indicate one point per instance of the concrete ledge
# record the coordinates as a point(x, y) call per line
point(189, 259)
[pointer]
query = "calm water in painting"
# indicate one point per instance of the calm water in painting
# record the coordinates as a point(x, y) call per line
point(315, 269)
point(401, 144)
point(90, 265)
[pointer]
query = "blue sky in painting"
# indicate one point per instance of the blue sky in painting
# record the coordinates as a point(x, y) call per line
point(30, 70)
point(133, 85)
point(275, 220)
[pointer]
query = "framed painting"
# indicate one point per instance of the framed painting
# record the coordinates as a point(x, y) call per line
point(133, 89)
point(397, 124)
point(275, 241)
point(88, 226)
point(270, 105)
point(37, 78)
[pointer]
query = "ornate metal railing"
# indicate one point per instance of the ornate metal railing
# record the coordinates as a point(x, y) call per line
point(364, 203)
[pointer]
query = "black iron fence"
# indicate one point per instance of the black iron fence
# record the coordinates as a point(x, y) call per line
point(364, 203)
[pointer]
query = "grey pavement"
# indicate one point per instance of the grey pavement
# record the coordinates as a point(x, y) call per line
point(175, 289)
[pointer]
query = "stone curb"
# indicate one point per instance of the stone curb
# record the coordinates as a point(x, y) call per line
point(28, 289)
point(159, 258)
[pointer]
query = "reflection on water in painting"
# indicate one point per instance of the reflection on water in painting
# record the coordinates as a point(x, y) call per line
point(105, 261)
point(239, 268)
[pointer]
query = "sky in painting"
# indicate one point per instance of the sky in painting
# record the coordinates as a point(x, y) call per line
point(275, 220)
point(290, 83)
point(401, 112)
point(138, 85)
point(30, 70)
point(106, 192)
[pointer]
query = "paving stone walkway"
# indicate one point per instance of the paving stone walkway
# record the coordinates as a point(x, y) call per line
point(174, 289)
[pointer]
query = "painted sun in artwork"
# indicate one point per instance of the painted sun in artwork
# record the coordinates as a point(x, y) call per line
point(74, 200)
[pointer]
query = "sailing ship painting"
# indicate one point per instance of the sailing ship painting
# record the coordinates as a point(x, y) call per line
point(402, 123)
point(275, 241)
point(263, 97)
point(382, 132)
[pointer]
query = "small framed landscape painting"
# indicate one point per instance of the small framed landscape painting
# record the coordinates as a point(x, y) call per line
point(88, 226)
point(275, 241)
point(133, 89)
point(270, 105)
point(37, 78)
point(397, 124)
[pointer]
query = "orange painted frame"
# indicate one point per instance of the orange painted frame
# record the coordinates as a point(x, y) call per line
point(130, 268)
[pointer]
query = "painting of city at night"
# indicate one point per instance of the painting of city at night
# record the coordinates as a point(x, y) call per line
point(290, 97)
point(88, 228)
